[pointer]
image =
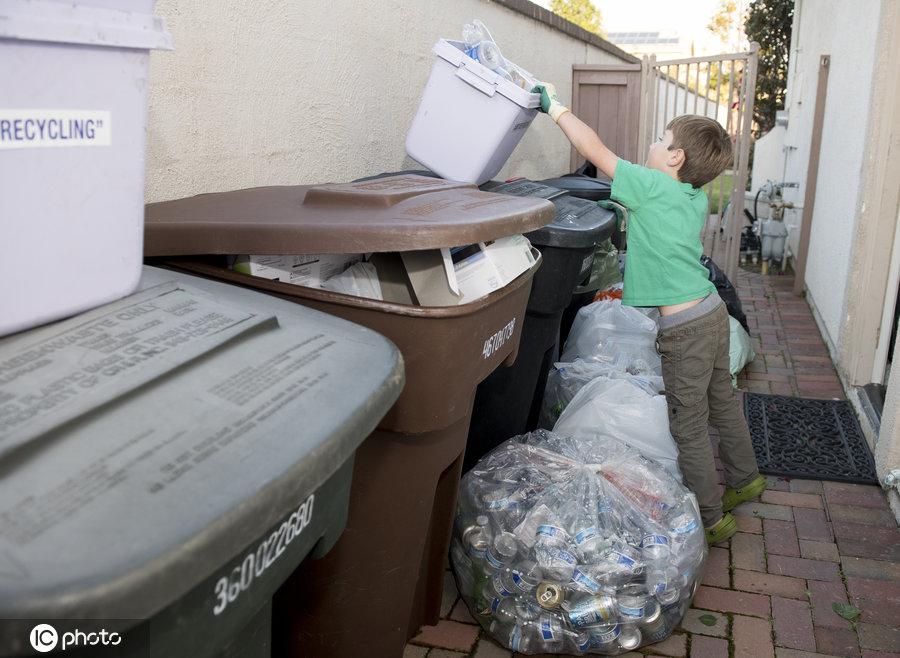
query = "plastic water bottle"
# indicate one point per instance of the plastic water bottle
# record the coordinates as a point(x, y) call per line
point(475, 32)
point(502, 550)
point(556, 563)
point(526, 575)
point(578, 642)
point(551, 535)
point(589, 543)
point(550, 627)
point(505, 611)
point(478, 538)
point(527, 608)
point(481, 47)
point(630, 637)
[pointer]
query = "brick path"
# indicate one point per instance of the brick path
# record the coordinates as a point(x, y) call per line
point(805, 546)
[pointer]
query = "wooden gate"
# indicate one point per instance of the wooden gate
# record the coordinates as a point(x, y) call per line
point(629, 106)
point(608, 99)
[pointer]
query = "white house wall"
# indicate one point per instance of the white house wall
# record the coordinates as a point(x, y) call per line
point(268, 93)
point(845, 31)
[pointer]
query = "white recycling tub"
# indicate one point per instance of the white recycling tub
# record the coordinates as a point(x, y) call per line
point(73, 122)
point(470, 119)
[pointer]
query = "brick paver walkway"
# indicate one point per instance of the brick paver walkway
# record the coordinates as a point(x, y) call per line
point(804, 547)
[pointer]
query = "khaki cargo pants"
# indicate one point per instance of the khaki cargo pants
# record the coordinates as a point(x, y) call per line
point(693, 345)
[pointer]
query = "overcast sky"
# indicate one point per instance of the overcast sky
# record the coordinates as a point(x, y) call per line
point(687, 17)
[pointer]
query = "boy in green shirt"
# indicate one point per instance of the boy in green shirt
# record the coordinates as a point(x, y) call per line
point(667, 211)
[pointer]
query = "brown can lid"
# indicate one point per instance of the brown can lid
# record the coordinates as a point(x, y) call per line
point(398, 213)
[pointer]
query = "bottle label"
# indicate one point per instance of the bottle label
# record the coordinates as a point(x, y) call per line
point(499, 587)
point(584, 535)
point(493, 560)
point(515, 639)
point(521, 583)
point(579, 617)
point(547, 630)
point(565, 556)
point(684, 525)
point(634, 612)
point(607, 637)
point(650, 541)
point(621, 558)
point(586, 581)
point(550, 531)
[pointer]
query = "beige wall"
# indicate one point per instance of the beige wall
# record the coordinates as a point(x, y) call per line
point(265, 92)
point(845, 31)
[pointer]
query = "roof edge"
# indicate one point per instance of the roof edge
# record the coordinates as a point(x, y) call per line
point(559, 23)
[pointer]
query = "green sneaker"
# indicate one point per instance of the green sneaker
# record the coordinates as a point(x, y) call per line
point(734, 497)
point(722, 530)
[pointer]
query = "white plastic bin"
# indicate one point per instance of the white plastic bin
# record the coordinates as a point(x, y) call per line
point(73, 120)
point(470, 119)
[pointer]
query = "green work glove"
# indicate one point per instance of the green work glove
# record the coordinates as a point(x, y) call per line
point(549, 100)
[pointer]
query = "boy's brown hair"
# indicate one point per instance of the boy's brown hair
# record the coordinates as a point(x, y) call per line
point(706, 146)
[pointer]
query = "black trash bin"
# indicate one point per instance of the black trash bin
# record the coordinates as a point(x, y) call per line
point(593, 189)
point(508, 401)
point(168, 460)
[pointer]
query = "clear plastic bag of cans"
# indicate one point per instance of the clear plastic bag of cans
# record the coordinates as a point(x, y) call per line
point(575, 545)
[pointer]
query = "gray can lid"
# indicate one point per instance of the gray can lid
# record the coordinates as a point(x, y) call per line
point(396, 213)
point(123, 486)
point(578, 223)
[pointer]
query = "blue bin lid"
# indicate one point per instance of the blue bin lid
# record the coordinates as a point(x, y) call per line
point(146, 442)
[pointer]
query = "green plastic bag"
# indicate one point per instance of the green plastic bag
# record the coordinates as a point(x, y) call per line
point(740, 351)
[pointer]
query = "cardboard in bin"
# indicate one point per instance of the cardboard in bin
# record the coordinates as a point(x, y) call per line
point(311, 270)
point(415, 215)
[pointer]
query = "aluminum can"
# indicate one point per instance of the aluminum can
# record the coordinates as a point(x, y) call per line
point(592, 610)
point(655, 628)
point(604, 636)
point(550, 595)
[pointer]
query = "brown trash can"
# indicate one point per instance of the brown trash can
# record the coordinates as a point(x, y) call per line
point(384, 577)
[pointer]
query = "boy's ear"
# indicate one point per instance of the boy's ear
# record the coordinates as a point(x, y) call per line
point(675, 158)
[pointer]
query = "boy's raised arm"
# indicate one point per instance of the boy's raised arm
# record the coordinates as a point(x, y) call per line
point(583, 138)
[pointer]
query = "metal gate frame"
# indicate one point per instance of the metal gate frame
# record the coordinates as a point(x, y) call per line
point(722, 233)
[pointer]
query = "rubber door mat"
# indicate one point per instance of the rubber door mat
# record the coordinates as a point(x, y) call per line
point(814, 439)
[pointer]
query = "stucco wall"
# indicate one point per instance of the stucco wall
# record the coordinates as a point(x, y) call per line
point(267, 93)
point(768, 158)
point(844, 31)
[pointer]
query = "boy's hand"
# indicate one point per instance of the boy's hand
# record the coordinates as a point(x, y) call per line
point(549, 100)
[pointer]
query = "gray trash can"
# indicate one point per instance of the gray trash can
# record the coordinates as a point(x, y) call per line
point(169, 459)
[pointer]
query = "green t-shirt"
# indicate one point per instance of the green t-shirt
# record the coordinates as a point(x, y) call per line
point(665, 218)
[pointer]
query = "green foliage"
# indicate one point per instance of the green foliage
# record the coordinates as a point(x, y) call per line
point(769, 24)
point(726, 22)
point(847, 611)
point(707, 620)
point(581, 12)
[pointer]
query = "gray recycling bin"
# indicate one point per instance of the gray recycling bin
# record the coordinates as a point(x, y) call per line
point(169, 459)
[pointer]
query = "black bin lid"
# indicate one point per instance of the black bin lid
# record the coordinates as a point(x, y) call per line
point(583, 187)
point(578, 223)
